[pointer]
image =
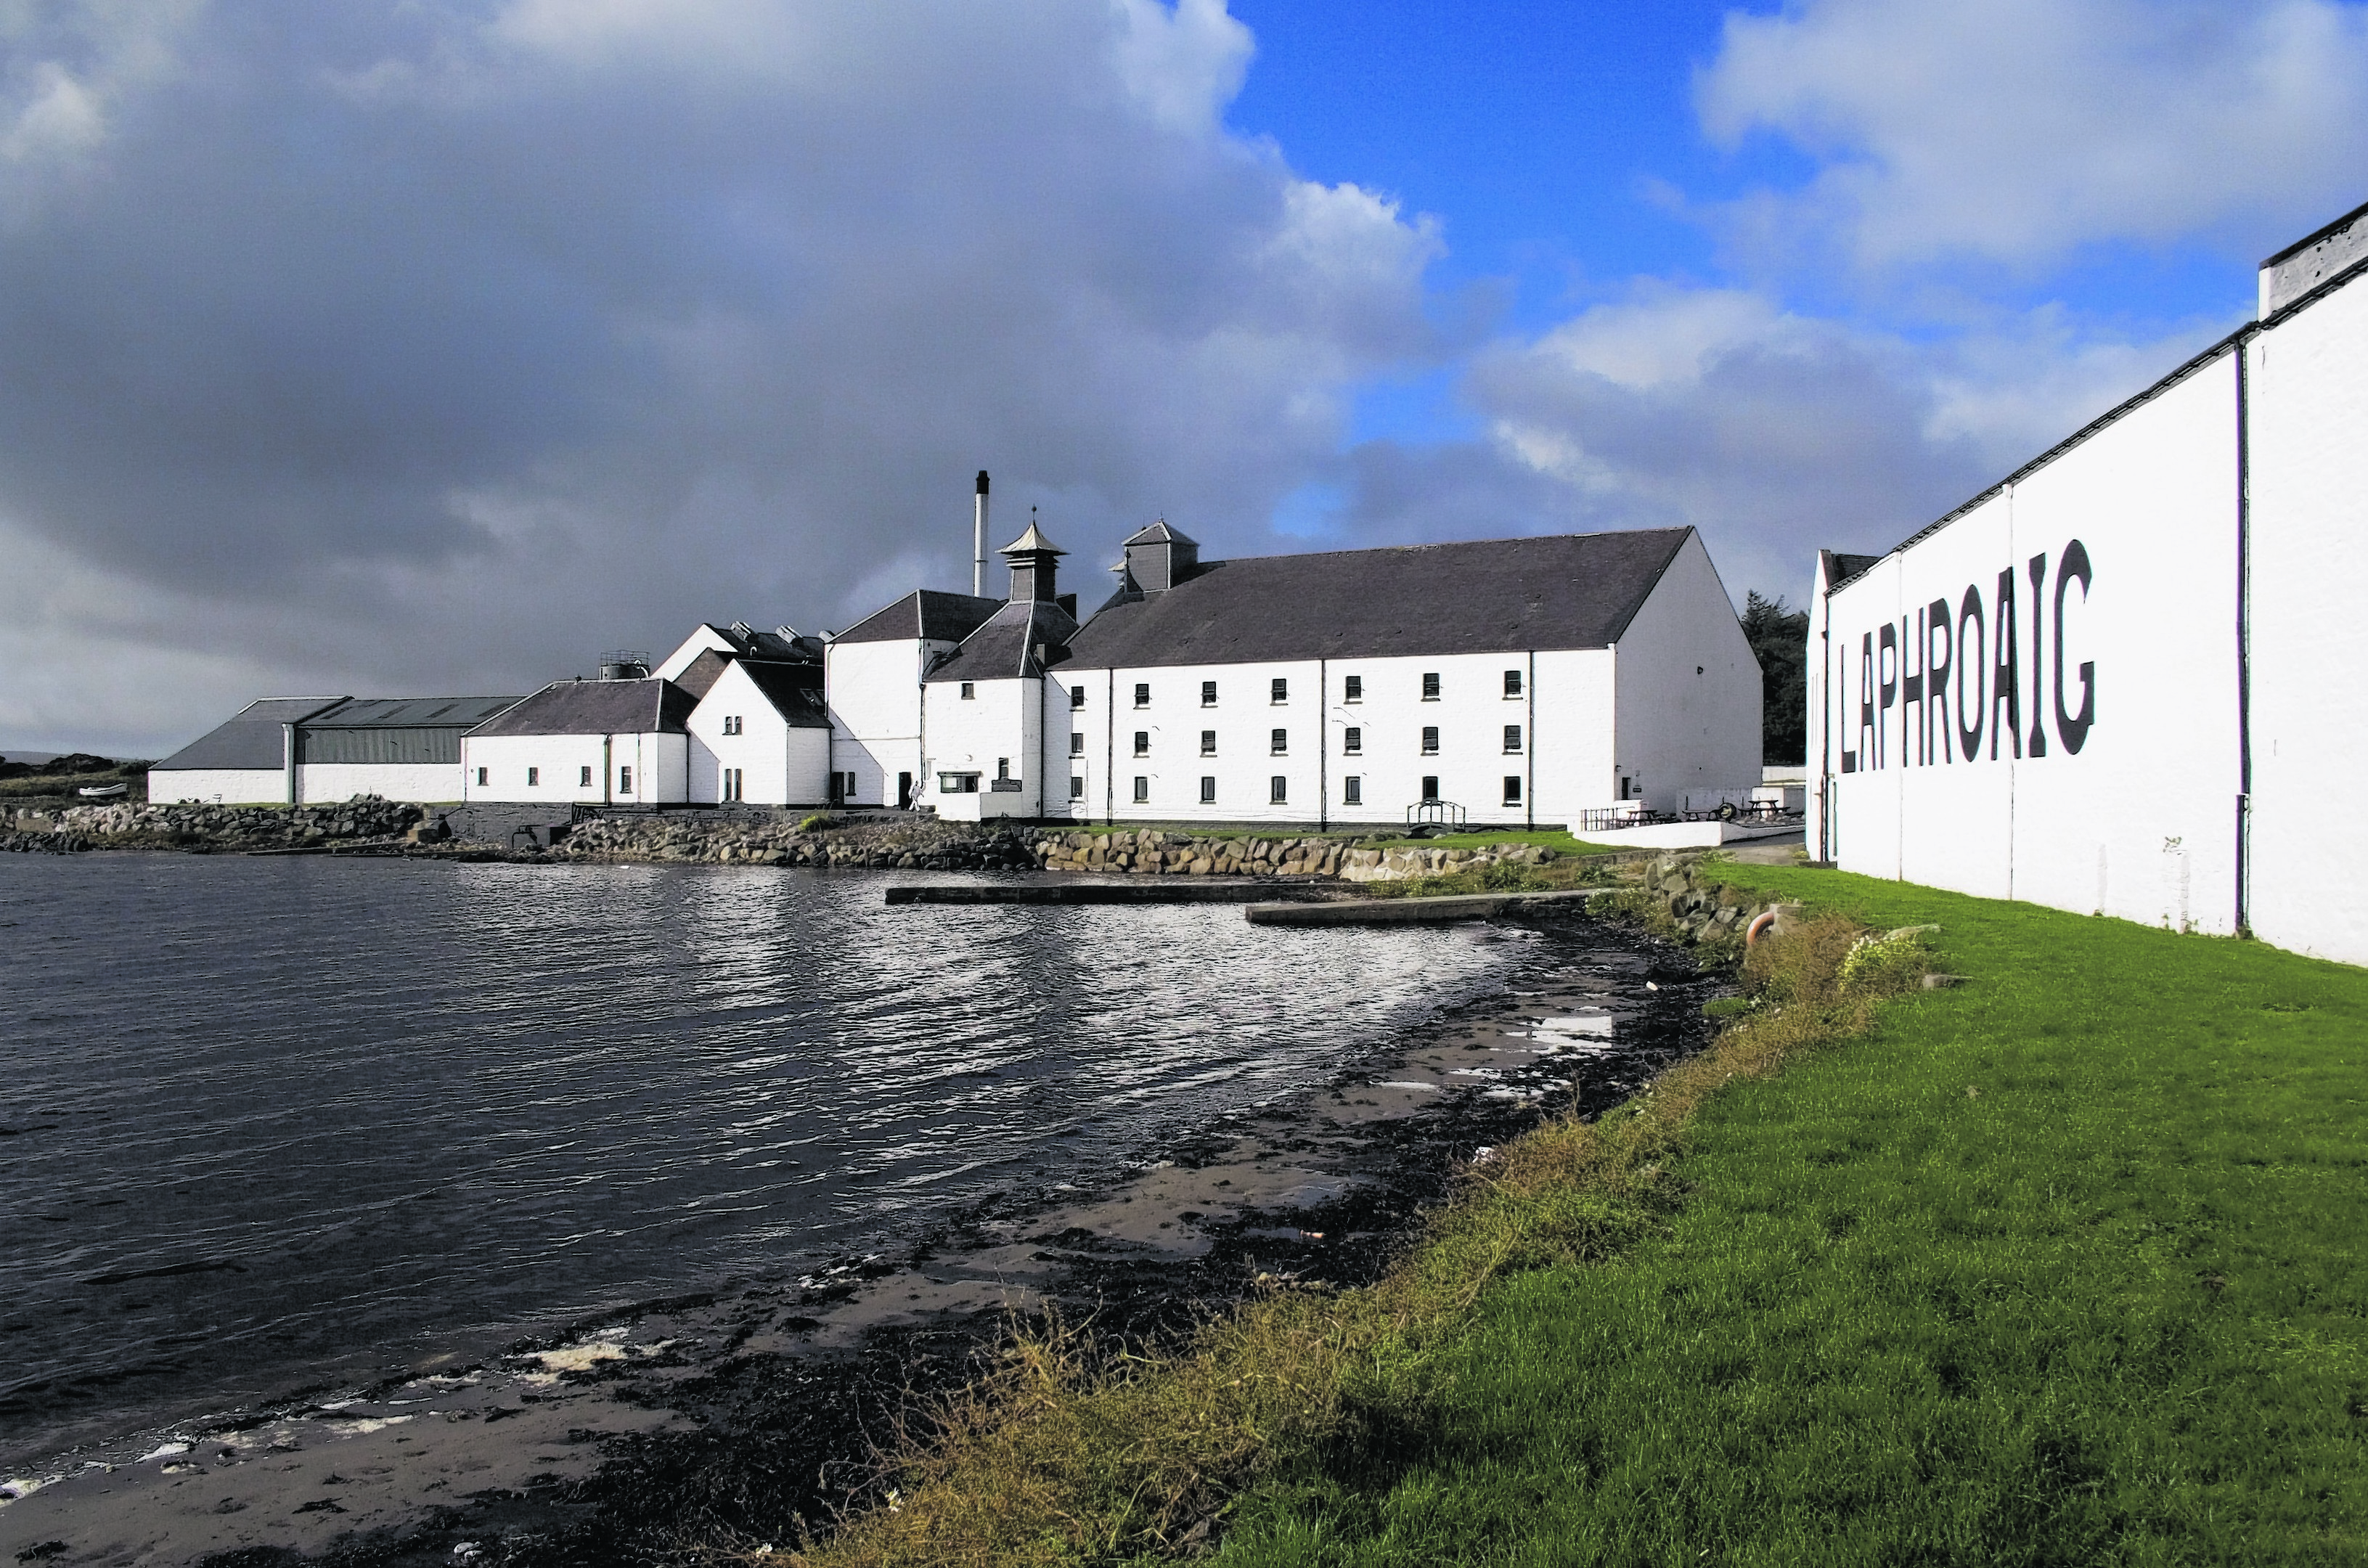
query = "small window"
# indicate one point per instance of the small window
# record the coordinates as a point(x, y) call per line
point(1431, 686)
point(583, 779)
point(1512, 739)
point(1077, 742)
point(1076, 696)
point(1352, 741)
point(1353, 688)
point(533, 777)
point(1281, 690)
point(1003, 768)
point(1280, 742)
point(1512, 683)
point(1278, 791)
point(481, 775)
point(969, 690)
point(1208, 790)
point(624, 782)
point(1430, 788)
point(1142, 789)
point(732, 724)
point(1077, 787)
point(1352, 789)
point(1430, 740)
point(1208, 694)
point(951, 783)
point(1143, 742)
point(1142, 694)
point(1208, 743)
point(1512, 789)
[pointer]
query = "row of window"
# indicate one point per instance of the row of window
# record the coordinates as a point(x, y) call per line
point(1278, 790)
point(1352, 741)
point(583, 779)
point(1352, 689)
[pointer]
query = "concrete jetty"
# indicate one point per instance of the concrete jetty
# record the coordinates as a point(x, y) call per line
point(1412, 911)
point(1161, 889)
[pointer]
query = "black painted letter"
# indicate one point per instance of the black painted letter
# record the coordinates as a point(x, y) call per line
point(2072, 729)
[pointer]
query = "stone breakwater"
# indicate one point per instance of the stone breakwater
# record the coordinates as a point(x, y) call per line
point(1153, 853)
point(918, 845)
point(142, 827)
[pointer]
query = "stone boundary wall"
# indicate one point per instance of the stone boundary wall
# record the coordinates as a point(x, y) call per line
point(1153, 853)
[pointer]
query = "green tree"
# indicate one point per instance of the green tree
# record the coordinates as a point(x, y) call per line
point(1778, 636)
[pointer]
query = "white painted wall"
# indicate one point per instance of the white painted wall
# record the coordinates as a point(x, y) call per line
point(2309, 378)
point(660, 765)
point(330, 781)
point(782, 764)
point(1564, 761)
point(874, 691)
point(227, 786)
point(1687, 690)
point(1002, 720)
point(2136, 818)
point(697, 642)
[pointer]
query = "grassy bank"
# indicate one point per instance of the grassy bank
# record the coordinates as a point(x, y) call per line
point(2064, 1266)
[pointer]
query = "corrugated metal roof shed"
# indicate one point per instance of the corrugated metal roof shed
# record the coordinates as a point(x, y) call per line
point(391, 712)
point(253, 739)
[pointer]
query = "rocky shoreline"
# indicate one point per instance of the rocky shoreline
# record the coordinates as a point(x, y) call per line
point(869, 842)
point(598, 1442)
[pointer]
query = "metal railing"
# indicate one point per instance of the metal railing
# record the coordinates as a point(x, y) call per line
point(1437, 814)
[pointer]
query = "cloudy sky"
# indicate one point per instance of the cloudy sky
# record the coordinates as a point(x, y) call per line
point(396, 347)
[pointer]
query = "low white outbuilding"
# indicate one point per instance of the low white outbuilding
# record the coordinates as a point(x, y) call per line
point(760, 733)
point(304, 749)
point(585, 742)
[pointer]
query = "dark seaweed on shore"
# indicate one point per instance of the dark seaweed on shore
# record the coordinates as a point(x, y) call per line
point(779, 1444)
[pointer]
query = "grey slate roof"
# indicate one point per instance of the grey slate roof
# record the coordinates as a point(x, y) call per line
point(940, 618)
point(1847, 567)
point(699, 676)
point(1485, 597)
point(410, 712)
point(1005, 648)
point(791, 689)
point(252, 739)
point(597, 707)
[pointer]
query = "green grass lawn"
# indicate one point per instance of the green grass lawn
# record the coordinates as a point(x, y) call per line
point(1560, 842)
point(2069, 1266)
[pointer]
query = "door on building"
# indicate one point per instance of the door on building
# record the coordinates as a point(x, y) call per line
point(903, 791)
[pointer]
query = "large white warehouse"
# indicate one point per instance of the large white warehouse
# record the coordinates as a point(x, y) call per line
point(2123, 679)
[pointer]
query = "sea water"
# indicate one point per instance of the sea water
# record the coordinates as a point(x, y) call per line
point(271, 1119)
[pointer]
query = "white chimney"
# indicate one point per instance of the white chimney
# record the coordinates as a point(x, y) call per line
point(978, 543)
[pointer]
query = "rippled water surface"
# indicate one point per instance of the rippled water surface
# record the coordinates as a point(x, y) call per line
point(266, 1118)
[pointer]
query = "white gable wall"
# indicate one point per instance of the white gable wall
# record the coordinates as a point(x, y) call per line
point(782, 764)
point(699, 641)
point(1687, 690)
point(1002, 721)
point(874, 691)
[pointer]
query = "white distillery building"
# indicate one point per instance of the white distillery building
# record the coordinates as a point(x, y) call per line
point(1506, 681)
point(2121, 681)
point(296, 750)
point(873, 673)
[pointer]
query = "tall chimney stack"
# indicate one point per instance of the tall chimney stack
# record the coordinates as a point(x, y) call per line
point(978, 543)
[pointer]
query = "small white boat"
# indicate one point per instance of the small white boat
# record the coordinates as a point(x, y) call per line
point(102, 791)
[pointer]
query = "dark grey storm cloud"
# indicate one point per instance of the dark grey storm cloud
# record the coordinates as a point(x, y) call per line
point(431, 345)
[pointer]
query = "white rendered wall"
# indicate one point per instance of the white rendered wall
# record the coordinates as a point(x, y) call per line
point(2132, 816)
point(324, 781)
point(1688, 688)
point(659, 763)
point(227, 786)
point(782, 764)
point(874, 691)
point(999, 721)
point(699, 641)
point(2309, 530)
point(1563, 762)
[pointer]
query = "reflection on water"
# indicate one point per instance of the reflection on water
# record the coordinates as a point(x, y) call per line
point(269, 1115)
